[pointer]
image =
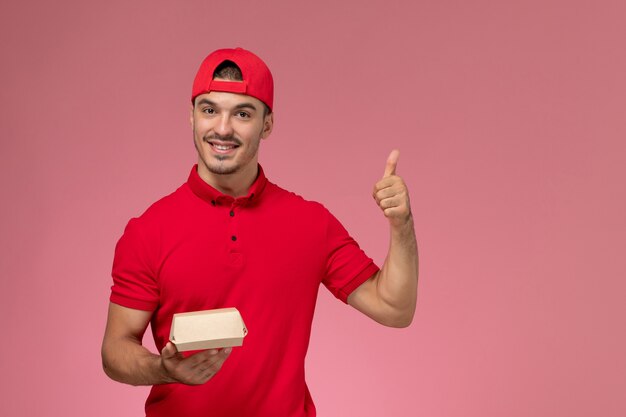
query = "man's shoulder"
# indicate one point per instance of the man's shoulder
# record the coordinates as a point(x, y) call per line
point(295, 200)
point(165, 207)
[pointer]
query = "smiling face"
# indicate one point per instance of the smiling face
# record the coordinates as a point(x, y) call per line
point(227, 130)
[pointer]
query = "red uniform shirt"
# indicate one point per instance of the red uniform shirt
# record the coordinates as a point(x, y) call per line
point(265, 254)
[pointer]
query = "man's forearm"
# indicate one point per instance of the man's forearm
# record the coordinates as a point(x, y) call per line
point(397, 279)
point(127, 361)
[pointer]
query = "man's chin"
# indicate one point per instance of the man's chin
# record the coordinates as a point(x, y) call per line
point(222, 169)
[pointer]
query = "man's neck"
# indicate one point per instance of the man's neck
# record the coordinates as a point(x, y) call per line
point(235, 185)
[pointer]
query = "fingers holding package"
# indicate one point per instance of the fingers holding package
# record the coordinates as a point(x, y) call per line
point(195, 369)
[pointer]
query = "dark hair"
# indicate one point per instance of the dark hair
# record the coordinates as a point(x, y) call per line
point(228, 70)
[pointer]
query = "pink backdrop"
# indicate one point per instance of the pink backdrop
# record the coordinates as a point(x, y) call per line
point(511, 121)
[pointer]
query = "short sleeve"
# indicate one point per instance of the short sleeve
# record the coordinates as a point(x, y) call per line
point(347, 266)
point(134, 272)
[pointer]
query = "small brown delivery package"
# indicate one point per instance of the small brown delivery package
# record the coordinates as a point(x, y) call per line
point(208, 329)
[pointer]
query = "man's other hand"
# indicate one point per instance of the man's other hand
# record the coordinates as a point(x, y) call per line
point(391, 193)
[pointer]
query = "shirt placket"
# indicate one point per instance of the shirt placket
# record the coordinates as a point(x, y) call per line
point(233, 213)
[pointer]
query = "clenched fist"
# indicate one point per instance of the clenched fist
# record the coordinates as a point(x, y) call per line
point(391, 193)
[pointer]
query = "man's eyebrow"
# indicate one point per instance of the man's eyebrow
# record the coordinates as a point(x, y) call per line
point(237, 107)
point(205, 101)
point(246, 106)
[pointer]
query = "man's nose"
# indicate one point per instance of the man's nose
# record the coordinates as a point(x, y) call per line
point(224, 126)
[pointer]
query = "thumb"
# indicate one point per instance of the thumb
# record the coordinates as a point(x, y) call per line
point(169, 350)
point(392, 163)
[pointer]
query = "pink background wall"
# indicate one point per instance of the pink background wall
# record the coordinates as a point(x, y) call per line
point(511, 120)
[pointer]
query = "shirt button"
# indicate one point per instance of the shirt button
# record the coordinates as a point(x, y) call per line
point(233, 238)
point(232, 213)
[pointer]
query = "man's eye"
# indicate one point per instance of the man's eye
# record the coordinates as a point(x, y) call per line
point(208, 111)
point(243, 114)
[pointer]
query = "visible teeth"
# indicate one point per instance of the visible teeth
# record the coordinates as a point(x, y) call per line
point(223, 147)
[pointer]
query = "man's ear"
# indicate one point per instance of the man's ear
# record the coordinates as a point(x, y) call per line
point(191, 116)
point(268, 125)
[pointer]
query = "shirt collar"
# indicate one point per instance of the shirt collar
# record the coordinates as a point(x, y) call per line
point(215, 197)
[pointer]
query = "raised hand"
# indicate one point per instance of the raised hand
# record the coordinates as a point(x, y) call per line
point(195, 369)
point(392, 195)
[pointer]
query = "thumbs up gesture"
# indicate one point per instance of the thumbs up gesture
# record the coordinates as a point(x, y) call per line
point(391, 193)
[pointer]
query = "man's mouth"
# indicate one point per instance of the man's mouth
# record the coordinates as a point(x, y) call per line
point(220, 146)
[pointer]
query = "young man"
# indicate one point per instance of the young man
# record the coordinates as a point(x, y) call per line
point(230, 238)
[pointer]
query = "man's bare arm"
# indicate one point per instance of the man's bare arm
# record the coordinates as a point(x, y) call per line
point(390, 296)
point(124, 359)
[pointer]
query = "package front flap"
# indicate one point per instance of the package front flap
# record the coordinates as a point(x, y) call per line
point(208, 329)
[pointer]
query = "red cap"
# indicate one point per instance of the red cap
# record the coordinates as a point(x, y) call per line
point(257, 78)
